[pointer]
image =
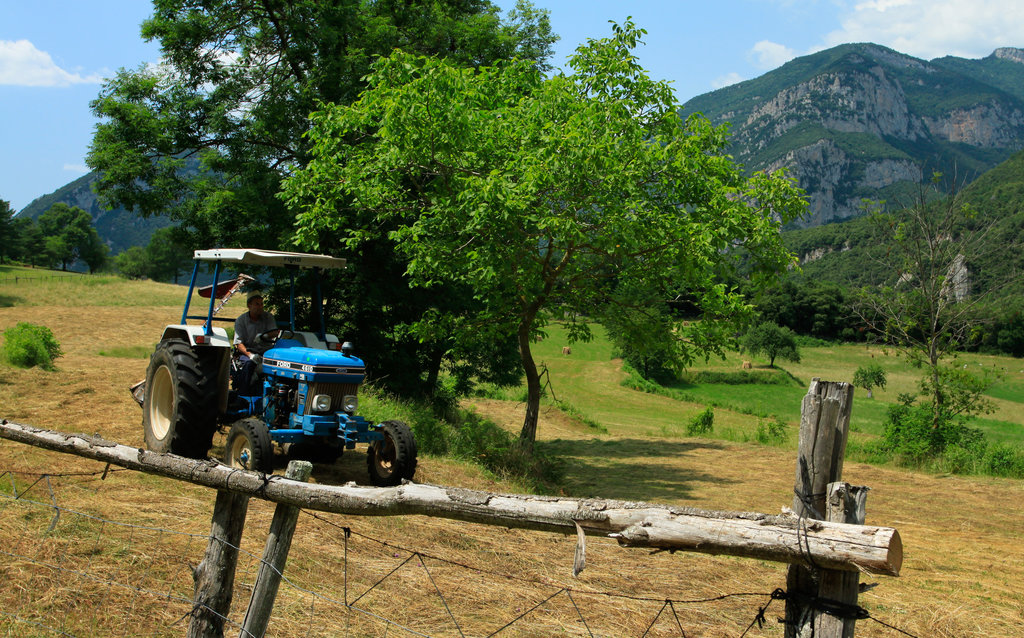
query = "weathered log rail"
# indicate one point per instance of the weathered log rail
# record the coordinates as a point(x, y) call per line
point(786, 539)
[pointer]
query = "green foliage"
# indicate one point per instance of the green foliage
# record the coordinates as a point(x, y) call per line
point(27, 345)
point(773, 432)
point(132, 263)
point(772, 341)
point(70, 235)
point(912, 438)
point(166, 255)
point(928, 305)
point(703, 423)
point(204, 141)
point(530, 192)
point(755, 377)
point(644, 334)
point(809, 308)
point(8, 237)
point(869, 377)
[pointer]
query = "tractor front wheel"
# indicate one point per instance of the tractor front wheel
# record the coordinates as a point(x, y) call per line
point(179, 410)
point(249, 447)
point(393, 459)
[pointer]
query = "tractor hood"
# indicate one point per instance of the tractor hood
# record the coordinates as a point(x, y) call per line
point(312, 364)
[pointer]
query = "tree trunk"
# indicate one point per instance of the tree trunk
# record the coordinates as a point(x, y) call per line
point(529, 433)
point(436, 357)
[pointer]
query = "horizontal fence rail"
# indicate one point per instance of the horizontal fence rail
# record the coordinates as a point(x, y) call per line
point(786, 539)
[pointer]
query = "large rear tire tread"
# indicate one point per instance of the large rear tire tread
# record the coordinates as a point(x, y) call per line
point(179, 412)
point(392, 460)
point(249, 446)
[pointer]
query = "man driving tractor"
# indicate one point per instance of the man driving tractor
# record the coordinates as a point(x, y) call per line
point(250, 325)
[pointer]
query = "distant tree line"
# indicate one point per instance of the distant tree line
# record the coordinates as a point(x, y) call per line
point(827, 311)
point(61, 236)
point(64, 235)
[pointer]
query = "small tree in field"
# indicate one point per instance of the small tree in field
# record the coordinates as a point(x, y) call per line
point(538, 193)
point(932, 300)
point(868, 377)
point(772, 341)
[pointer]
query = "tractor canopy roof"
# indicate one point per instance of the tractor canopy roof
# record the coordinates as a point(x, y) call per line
point(274, 258)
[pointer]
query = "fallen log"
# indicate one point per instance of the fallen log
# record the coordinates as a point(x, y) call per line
point(786, 539)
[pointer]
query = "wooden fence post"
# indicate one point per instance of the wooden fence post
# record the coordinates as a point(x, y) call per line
point(275, 554)
point(215, 575)
point(824, 426)
point(846, 504)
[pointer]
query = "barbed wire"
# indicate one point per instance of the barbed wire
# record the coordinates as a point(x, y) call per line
point(136, 591)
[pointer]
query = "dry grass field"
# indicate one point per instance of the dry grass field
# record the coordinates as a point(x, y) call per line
point(963, 573)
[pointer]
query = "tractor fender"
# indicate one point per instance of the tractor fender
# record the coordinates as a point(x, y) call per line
point(196, 335)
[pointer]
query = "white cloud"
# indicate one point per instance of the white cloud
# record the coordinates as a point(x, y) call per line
point(770, 55)
point(726, 80)
point(22, 64)
point(81, 169)
point(933, 28)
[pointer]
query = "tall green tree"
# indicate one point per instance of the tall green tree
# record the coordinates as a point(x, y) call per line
point(536, 194)
point(772, 341)
point(132, 263)
point(9, 240)
point(93, 251)
point(166, 256)
point(31, 245)
point(70, 235)
point(233, 94)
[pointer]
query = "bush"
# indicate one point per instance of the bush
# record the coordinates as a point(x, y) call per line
point(703, 423)
point(1004, 460)
point(27, 345)
point(911, 433)
point(751, 377)
point(774, 433)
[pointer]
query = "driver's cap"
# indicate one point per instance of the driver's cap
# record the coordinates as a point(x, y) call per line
point(253, 294)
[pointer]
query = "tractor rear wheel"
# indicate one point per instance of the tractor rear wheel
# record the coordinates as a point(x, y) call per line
point(179, 411)
point(249, 447)
point(393, 459)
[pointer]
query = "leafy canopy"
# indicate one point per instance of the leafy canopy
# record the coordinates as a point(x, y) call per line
point(772, 341)
point(535, 193)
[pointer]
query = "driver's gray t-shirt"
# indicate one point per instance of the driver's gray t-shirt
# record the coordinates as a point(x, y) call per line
point(247, 329)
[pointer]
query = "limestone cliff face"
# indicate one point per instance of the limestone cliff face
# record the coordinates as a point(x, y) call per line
point(848, 102)
point(991, 125)
point(865, 122)
point(833, 179)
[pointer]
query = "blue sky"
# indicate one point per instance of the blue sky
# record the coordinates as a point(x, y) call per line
point(54, 55)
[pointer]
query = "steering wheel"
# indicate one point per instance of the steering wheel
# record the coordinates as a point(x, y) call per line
point(271, 336)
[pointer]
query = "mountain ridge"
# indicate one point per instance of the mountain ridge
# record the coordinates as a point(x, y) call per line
point(862, 121)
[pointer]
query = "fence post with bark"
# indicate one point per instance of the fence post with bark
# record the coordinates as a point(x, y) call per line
point(822, 601)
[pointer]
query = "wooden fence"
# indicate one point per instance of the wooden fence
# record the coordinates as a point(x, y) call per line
point(824, 540)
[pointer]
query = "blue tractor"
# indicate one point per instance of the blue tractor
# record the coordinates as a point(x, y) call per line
point(305, 398)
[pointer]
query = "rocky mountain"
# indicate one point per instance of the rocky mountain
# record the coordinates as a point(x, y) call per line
point(863, 121)
point(118, 228)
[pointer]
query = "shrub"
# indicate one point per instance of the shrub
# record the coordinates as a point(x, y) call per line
point(751, 377)
point(772, 433)
point(703, 423)
point(1004, 460)
point(27, 345)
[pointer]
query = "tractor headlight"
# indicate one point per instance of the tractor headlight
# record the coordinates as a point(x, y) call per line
point(322, 403)
point(350, 403)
